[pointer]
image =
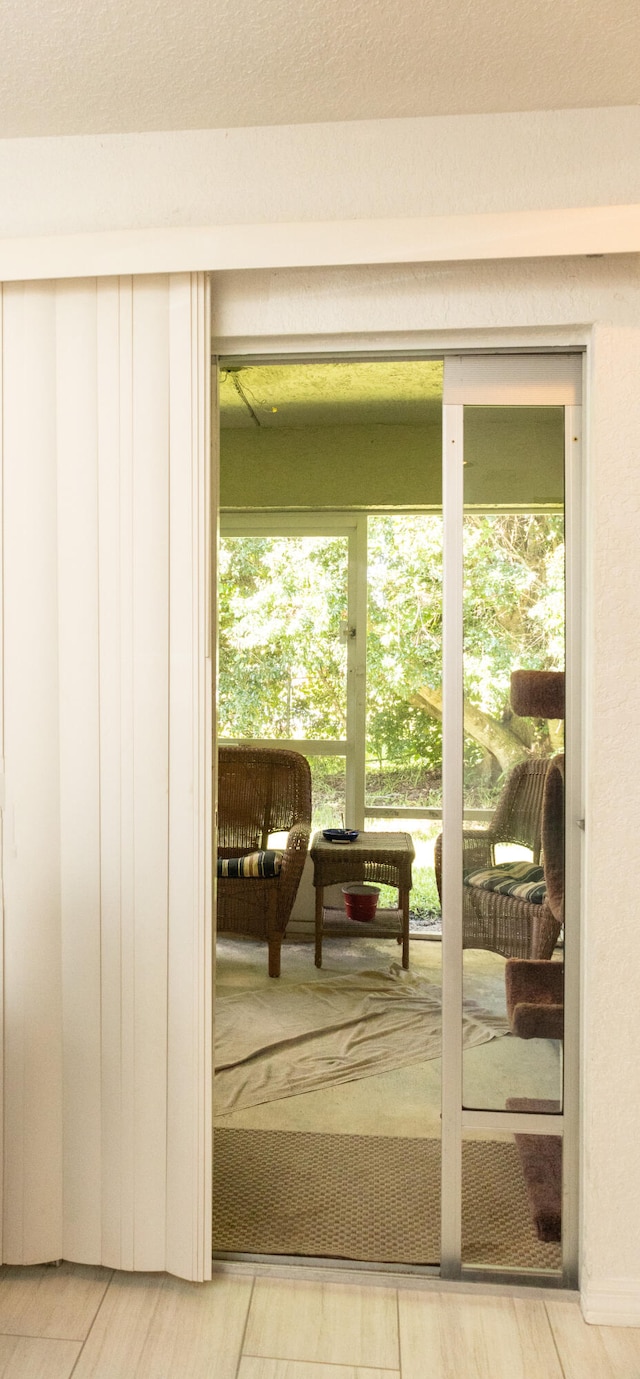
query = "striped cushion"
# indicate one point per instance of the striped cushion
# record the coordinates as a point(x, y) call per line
point(254, 864)
point(521, 879)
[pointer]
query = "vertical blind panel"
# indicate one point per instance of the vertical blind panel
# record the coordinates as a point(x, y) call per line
point(2, 801)
point(108, 744)
point(190, 777)
point(116, 822)
point(123, 995)
point(31, 861)
point(79, 729)
point(150, 666)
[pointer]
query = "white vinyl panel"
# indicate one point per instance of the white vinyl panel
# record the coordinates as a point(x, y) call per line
point(114, 1142)
point(574, 837)
point(207, 489)
point(190, 762)
point(2, 791)
point(151, 757)
point(126, 1030)
point(107, 1008)
point(514, 380)
point(32, 1014)
point(78, 678)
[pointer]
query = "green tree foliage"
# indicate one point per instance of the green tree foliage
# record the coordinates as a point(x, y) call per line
point(404, 637)
point(513, 602)
point(283, 664)
point(513, 617)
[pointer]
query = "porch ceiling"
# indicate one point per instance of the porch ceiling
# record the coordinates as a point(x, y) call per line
point(395, 393)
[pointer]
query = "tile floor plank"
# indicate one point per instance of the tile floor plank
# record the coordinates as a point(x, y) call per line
point(157, 1327)
point(335, 1324)
point(456, 1336)
point(53, 1303)
point(121, 1327)
point(29, 1357)
point(593, 1352)
point(197, 1330)
point(253, 1368)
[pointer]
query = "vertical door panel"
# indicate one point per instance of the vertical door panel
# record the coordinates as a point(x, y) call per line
point(78, 712)
point(149, 649)
point(477, 384)
point(33, 1007)
point(189, 1118)
point(114, 426)
point(2, 806)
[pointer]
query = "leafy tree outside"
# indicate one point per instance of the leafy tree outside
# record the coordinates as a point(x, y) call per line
point(283, 664)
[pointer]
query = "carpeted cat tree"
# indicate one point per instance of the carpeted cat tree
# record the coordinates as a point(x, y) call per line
point(535, 989)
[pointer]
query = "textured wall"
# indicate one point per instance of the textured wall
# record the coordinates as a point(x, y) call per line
point(423, 302)
point(478, 304)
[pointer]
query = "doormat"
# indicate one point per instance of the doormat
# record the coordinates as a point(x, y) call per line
point(368, 1198)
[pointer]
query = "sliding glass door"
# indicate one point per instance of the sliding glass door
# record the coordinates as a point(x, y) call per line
point(426, 659)
point(511, 738)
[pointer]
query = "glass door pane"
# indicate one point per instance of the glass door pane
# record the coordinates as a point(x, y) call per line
point(403, 795)
point(404, 693)
point(513, 621)
point(284, 648)
point(404, 662)
point(283, 637)
point(512, 1201)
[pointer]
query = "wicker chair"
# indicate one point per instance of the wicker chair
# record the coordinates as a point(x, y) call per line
point(262, 790)
point(503, 923)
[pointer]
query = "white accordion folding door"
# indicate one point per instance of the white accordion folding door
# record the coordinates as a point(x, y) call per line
point(107, 742)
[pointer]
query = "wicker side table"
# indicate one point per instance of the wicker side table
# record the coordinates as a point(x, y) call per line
point(380, 858)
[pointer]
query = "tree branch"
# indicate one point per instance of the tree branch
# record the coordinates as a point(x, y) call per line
point(507, 747)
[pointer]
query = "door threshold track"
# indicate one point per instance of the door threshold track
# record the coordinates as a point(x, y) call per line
point(426, 1277)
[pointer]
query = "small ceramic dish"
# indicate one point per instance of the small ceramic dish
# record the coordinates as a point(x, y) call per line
point(340, 835)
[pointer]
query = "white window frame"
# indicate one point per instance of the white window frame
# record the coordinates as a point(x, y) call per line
point(353, 746)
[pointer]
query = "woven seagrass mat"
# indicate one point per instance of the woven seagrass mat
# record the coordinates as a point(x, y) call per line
point(369, 1198)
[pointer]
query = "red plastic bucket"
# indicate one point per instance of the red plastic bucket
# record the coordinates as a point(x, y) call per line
point(360, 902)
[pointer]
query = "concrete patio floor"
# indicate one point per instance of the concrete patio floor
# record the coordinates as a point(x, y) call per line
point(405, 1102)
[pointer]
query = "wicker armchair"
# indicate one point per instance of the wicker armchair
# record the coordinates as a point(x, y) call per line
point(504, 923)
point(261, 790)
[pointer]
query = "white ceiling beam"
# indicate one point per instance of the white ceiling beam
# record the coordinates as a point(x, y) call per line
point(518, 234)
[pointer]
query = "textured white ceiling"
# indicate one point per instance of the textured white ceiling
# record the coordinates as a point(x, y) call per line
point(99, 66)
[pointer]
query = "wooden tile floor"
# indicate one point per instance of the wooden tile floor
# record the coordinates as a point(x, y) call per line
point(92, 1324)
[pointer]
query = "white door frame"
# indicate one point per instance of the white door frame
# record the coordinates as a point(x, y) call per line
point(538, 377)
